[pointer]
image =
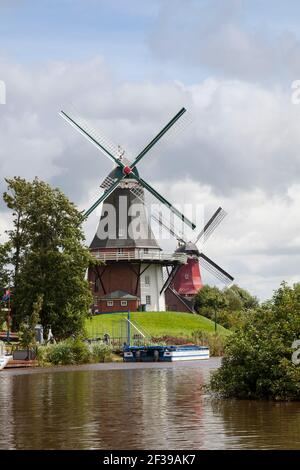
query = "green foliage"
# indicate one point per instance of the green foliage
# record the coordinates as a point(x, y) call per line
point(49, 258)
point(73, 351)
point(229, 305)
point(100, 352)
point(258, 355)
point(209, 299)
point(5, 249)
point(240, 299)
point(214, 341)
point(4, 278)
point(61, 354)
point(27, 329)
point(233, 319)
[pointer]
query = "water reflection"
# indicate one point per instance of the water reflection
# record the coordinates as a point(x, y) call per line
point(151, 408)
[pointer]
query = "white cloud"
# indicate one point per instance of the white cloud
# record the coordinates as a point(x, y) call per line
point(241, 152)
point(245, 40)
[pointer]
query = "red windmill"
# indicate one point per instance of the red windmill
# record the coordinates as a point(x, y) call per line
point(186, 280)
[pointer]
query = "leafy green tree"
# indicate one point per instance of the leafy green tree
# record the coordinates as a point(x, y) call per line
point(4, 262)
point(258, 356)
point(4, 277)
point(210, 300)
point(49, 256)
point(27, 328)
point(234, 303)
point(239, 299)
point(17, 198)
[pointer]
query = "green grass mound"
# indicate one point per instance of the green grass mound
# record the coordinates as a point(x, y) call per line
point(157, 324)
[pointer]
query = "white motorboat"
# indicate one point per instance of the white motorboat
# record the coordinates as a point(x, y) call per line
point(4, 361)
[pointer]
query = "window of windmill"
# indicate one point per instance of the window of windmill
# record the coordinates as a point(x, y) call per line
point(147, 280)
point(186, 276)
point(148, 299)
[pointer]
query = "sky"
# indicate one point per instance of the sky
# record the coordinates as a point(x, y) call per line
point(128, 67)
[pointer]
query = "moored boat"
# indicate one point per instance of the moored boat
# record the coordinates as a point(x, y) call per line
point(4, 358)
point(4, 361)
point(165, 353)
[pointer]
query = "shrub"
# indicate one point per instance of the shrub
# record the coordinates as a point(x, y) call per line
point(61, 353)
point(80, 350)
point(73, 351)
point(100, 352)
point(214, 341)
point(258, 355)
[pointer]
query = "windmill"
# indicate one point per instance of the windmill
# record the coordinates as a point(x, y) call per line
point(132, 272)
point(185, 281)
point(123, 167)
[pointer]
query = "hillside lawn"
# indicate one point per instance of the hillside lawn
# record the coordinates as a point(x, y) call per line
point(157, 324)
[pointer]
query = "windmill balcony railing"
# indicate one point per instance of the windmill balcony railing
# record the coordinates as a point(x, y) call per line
point(141, 256)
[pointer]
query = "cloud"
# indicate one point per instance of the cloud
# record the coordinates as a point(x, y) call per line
point(241, 151)
point(236, 39)
point(258, 242)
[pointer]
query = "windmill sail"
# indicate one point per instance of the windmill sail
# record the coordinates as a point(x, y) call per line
point(216, 270)
point(117, 156)
point(211, 225)
point(159, 219)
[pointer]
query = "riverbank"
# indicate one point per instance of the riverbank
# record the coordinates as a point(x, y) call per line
point(207, 364)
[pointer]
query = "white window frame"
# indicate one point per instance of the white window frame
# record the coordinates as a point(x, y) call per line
point(124, 303)
point(148, 299)
point(109, 303)
point(186, 276)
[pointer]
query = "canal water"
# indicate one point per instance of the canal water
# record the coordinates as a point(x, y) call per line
point(136, 406)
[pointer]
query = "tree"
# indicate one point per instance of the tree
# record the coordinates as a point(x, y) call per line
point(258, 356)
point(239, 299)
point(27, 328)
point(209, 300)
point(4, 277)
point(49, 257)
point(17, 198)
point(234, 303)
point(4, 262)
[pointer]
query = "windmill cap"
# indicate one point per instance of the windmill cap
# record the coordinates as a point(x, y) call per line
point(188, 247)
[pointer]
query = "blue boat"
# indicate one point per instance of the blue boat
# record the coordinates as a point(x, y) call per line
point(164, 353)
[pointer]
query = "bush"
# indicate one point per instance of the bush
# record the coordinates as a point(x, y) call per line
point(100, 352)
point(81, 351)
point(258, 355)
point(214, 341)
point(61, 353)
point(73, 351)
